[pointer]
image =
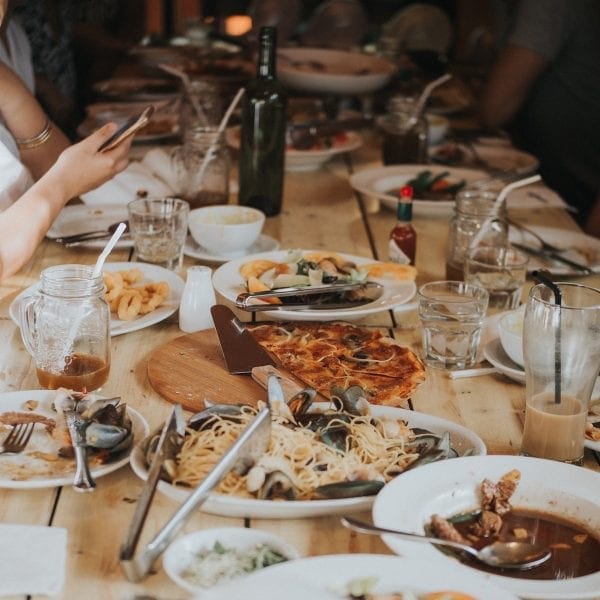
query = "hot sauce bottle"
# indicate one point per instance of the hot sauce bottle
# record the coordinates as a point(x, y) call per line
point(403, 238)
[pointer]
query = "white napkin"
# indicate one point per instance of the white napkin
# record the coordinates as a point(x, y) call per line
point(32, 559)
point(154, 174)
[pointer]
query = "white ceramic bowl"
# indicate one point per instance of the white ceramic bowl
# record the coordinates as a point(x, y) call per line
point(438, 128)
point(510, 330)
point(226, 228)
point(181, 553)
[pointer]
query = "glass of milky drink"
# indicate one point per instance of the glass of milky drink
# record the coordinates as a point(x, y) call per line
point(561, 349)
point(65, 326)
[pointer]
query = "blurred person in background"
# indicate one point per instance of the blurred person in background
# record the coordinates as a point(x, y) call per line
point(39, 171)
point(545, 88)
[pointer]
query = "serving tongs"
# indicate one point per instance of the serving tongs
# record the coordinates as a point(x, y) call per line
point(325, 297)
point(243, 453)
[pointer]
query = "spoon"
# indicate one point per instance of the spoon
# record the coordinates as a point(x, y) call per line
point(501, 555)
point(91, 235)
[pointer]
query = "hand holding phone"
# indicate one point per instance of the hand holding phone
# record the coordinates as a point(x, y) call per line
point(128, 129)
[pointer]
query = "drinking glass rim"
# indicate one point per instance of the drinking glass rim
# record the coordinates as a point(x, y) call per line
point(174, 203)
point(564, 284)
point(458, 286)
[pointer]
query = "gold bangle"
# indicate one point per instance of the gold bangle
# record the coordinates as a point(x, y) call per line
point(37, 140)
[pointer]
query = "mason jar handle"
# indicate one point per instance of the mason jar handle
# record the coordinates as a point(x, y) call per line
point(27, 323)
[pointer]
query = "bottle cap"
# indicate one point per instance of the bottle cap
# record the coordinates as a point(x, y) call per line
point(406, 193)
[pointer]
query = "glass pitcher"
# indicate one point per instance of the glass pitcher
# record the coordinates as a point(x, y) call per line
point(65, 326)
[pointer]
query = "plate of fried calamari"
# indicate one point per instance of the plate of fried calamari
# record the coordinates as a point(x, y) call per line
point(138, 294)
point(48, 460)
point(487, 498)
point(321, 459)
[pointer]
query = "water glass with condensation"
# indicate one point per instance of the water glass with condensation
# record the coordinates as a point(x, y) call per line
point(159, 228)
point(501, 270)
point(561, 351)
point(451, 315)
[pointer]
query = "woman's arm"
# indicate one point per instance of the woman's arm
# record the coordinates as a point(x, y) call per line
point(79, 169)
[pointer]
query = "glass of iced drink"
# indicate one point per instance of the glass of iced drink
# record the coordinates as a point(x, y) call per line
point(561, 350)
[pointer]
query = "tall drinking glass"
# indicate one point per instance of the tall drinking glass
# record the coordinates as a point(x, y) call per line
point(561, 348)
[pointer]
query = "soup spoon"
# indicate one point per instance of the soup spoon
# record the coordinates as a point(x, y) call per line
point(501, 555)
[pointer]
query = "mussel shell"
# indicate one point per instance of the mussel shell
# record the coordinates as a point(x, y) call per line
point(350, 400)
point(198, 420)
point(349, 489)
point(300, 403)
point(277, 485)
point(101, 435)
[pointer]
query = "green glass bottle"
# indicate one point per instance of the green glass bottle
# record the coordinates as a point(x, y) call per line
point(262, 146)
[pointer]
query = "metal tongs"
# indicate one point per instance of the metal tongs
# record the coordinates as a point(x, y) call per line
point(324, 297)
point(244, 452)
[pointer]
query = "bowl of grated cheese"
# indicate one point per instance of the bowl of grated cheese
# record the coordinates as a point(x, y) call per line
point(204, 559)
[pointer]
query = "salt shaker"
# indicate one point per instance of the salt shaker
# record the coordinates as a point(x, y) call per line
point(197, 298)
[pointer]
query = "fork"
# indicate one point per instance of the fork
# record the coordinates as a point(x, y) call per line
point(545, 245)
point(17, 439)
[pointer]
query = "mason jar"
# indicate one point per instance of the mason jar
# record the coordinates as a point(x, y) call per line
point(478, 220)
point(202, 166)
point(201, 106)
point(404, 138)
point(65, 327)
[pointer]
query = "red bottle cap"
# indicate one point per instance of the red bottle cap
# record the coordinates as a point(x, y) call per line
point(406, 192)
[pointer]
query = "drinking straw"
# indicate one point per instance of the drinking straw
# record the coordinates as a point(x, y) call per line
point(211, 149)
point(543, 277)
point(187, 84)
point(424, 97)
point(507, 189)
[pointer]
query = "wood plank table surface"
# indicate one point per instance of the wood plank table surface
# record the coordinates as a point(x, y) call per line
point(320, 211)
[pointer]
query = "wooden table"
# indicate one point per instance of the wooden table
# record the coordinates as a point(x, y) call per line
point(320, 211)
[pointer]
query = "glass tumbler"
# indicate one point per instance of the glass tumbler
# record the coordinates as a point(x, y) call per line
point(65, 326)
point(561, 351)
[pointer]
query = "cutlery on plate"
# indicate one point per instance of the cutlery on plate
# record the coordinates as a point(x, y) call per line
point(501, 555)
point(83, 481)
point(17, 438)
point(91, 235)
point(553, 255)
point(242, 454)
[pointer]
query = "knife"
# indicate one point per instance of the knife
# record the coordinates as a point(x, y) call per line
point(240, 350)
point(552, 255)
point(83, 481)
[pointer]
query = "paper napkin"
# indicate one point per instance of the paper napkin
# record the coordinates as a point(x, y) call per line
point(32, 559)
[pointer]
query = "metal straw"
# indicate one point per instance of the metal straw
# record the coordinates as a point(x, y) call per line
point(543, 277)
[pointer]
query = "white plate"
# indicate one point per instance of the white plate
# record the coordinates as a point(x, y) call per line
point(182, 553)
point(578, 246)
point(264, 243)
point(229, 283)
point(380, 181)
point(230, 506)
point(80, 218)
point(340, 72)
point(20, 471)
point(450, 488)
point(305, 160)
point(118, 327)
point(326, 578)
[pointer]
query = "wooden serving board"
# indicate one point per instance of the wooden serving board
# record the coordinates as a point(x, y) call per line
point(191, 367)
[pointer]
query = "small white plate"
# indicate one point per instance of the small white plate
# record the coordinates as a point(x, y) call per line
point(229, 283)
point(180, 555)
point(118, 327)
point(327, 578)
point(264, 243)
point(452, 487)
point(461, 438)
point(30, 469)
point(79, 218)
point(494, 354)
point(578, 246)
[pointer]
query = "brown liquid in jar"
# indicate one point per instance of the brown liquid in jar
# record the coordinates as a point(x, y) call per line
point(454, 273)
point(206, 198)
point(82, 372)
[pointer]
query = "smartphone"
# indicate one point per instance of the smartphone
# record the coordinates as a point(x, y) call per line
point(128, 129)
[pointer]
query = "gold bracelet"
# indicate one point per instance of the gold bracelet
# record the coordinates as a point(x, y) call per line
point(37, 140)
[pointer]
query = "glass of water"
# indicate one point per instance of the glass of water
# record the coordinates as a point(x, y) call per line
point(451, 315)
point(501, 270)
point(159, 227)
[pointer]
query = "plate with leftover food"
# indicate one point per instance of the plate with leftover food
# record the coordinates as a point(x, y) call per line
point(79, 218)
point(137, 88)
point(267, 492)
point(303, 268)
point(513, 497)
point(159, 291)
point(354, 576)
point(47, 460)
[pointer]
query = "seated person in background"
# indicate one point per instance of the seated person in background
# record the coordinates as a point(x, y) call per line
point(545, 85)
point(29, 147)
